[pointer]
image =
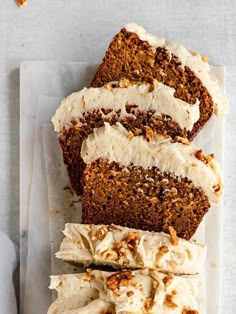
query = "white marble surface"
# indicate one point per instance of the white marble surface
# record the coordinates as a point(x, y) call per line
point(77, 30)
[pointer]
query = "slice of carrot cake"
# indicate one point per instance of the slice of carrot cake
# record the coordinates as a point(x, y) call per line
point(129, 181)
point(139, 56)
point(139, 291)
point(122, 247)
point(140, 108)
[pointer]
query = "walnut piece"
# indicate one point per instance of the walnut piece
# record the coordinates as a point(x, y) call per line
point(129, 293)
point(22, 3)
point(132, 240)
point(137, 131)
point(167, 280)
point(124, 83)
point(101, 232)
point(130, 135)
point(109, 254)
point(173, 236)
point(163, 250)
point(206, 159)
point(169, 302)
point(123, 278)
point(149, 133)
point(182, 140)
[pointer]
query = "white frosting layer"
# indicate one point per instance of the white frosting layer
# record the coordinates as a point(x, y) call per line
point(139, 292)
point(103, 245)
point(192, 60)
point(159, 98)
point(112, 143)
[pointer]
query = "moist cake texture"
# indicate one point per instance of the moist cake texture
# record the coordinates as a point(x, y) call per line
point(138, 56)
point(122, 247)
point(149, 185)
point(136, 292)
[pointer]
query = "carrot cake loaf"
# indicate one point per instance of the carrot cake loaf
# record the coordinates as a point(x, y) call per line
point(122, 247)
point(140, 291)
point(137, 55)
point(131, 182)
point(139, 107)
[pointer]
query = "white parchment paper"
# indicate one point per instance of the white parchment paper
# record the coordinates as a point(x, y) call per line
point(52, 204)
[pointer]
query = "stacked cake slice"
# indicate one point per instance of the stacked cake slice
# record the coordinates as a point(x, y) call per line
point(144, 187)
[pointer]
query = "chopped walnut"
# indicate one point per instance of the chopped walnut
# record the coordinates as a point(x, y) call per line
point(163, 249)
point(22, 3)
point(189, 311)
point(206, 159)
point(123, 278)
point(217, 188)
point(109, 87)
point(169, 302)
point(87, 277)
point(132, 240)
point(89, 270)
point(174, 292)
point(101, 232)
point(124, 83)
point(113, 228)
point(182, 140)
point(91, 235)
point(149, 133)
point(173, 236)
point(129, 293)
point(137, 131)
point(167, 280)
point(130, 135)
point(205, 59)
point(109, 254)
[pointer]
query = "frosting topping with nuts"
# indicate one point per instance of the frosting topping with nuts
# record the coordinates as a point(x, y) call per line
point(112, 143)
point(138, 292)
point(123, 247)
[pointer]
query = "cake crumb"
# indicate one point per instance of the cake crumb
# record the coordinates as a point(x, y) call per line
point(22, 3)
point(205, 59)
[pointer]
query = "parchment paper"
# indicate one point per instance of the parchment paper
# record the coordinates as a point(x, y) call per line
point(52, 204)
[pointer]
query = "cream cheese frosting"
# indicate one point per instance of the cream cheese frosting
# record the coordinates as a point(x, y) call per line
point(112, 143)
point(189, 59)
point(123, 247)
point(138, 292)
point(145, 96)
